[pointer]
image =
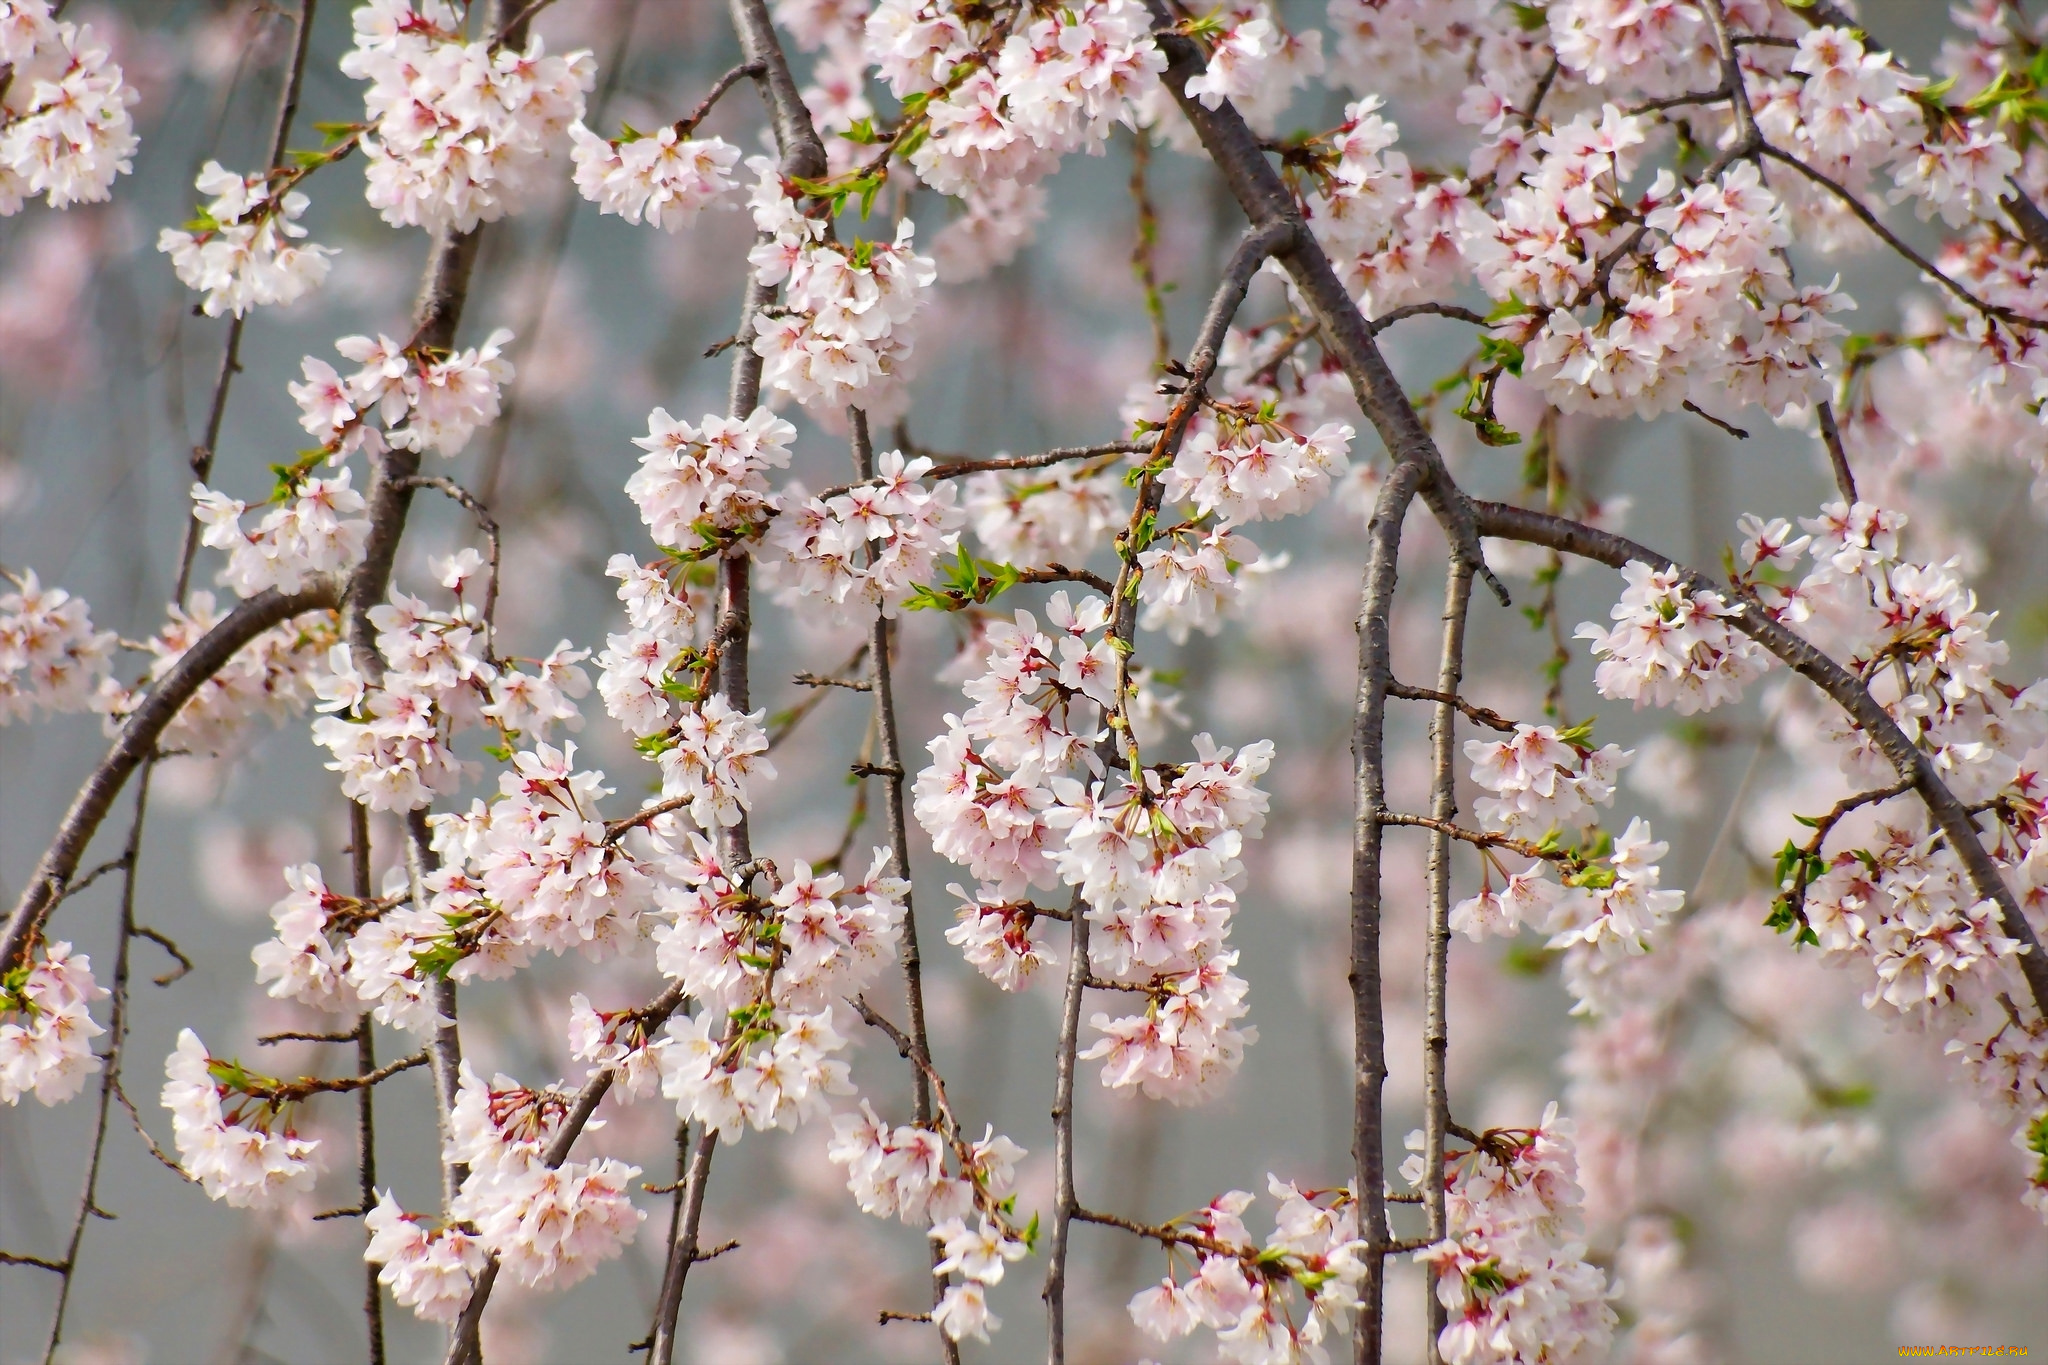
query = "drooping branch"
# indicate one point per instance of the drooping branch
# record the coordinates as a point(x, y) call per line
point(1443, 745)
point(1368, 1023)
point(1843, 687)
point(1254, 248)
point(138, 740)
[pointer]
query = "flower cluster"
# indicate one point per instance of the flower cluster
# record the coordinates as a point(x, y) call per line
point(51, 659)
point(1541, 780)
point(1034, 518)
point(242, 250)
point(843, 333)
point(1257, 470)
point(302, 962)
point(1671, 645)
point(427, 1268)
point(424, 399)
point(223, 1119)
point(901, 1173)
point(867, 549)
point(65, 130)
point(46, 1031)
point(770, 972)
point(1391, 240)
point(661, 177)
point(540, 857)
point(1512, 1275)
point(311, 529)
point(462, 132)
point(1701, 305)
point(706, 480)
point(391, 719)
point(1243, 1290)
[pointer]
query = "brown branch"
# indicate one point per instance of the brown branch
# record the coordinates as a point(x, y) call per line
point(137, 740)
point(1838, 457)
point(1492, 720)
point(687, 124)
point(1443, 740)
point(1696, 410)
point(850, 684)
point(184, 967)
point(1368, 1023)
point(1412, 310)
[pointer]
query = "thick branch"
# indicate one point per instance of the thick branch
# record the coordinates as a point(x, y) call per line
point(138, 740)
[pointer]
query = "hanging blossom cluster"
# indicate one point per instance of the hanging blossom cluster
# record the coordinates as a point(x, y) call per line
point(1512, 1274)
point(901, 1172)
point(1249, 1293)
point(461, 133)
point(548, 1224)
point(51, 658)
point(242, 250)
point(310, 530)
point(1544, 784)
point(390, 721)
point(65, 129)
point(1672, 646)
point(701, 486)
point(842, 333)
point(770, 972)
point(870, 548)
point(663, 178)
point(1016, 794)
point(46, 1028)
point(1702, 307)
point(234, 1130)
point(423, 399)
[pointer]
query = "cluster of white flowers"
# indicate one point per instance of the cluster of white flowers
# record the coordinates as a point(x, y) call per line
point(51, 659)
point(843, 332)
point(1193, 579)
point(1542, 781)
point(1255, 63)
point(46, 1029)
point(1544, 784)
point(539, 855)
point(463, 132)
point(301, 962)
point(270, 678)
point(1003, 940)
point(549, 1225)
point(770, 972)
point(1701, 306)
point(233, 1154)
point(311, 529)
point(867, 549)
point(1033, 518)
point(425, 400)
point(1244, 1290)
point(390, 737)
point(1391, 240)
point(1512, 1275)
point(615, 1041)
point(1056, 85)
point(1257, 470)
point(1672, 646)
point(65, 130)
point(427, 1268)
point(243, 250)
point(901, 1173)
point(661, 178)
point(707, 478)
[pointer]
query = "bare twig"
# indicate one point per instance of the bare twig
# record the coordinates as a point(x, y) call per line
point(1696, 410)
point(1413, 310)
point(1838, 457)
point(1492, 720)
point(163, 941)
